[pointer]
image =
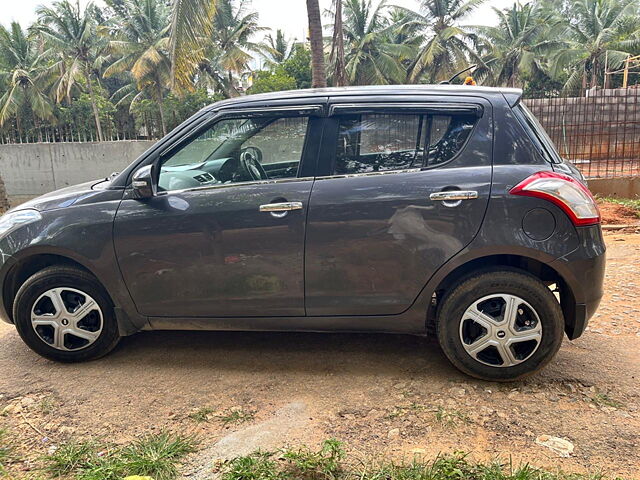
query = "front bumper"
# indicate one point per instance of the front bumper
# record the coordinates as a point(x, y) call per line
point(583, 272)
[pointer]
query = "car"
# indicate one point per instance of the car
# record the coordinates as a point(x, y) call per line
point(439, 210)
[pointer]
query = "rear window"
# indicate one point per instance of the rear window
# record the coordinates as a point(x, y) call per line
point(537, 133)
point(384, 142)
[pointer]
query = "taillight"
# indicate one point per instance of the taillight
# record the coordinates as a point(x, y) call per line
point(566, 192)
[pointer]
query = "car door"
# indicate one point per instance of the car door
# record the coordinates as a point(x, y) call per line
point(224, 235)
point(401, 188)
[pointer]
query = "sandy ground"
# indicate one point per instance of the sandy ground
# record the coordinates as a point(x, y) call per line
point(394, 395)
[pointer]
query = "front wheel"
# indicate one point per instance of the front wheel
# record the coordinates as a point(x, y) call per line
point(500, 325)
point(64, 314)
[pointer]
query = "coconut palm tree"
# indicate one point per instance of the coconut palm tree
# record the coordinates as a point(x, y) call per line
point(318, 73)
point(191, 28)
point(70, 34)
point(598, 31)
point(372, 54)
point(231, 48)
point(518, 45)
point(337, 58)
point(277, 49)
point(23, 77)
point(448, 45)
point(140, 43)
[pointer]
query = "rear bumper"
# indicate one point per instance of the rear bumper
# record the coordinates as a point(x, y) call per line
point(583, 272)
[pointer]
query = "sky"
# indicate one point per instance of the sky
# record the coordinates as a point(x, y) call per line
point(288, 15)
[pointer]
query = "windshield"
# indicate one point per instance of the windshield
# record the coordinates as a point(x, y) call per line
point(531, 123)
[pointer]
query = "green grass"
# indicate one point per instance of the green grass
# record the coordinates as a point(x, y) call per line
point(48, 405)
point(5, 450)
point(232, 417)
point(450, 418)
point(604, 400)
point(201, 415)
point(331, 463)
point(156, 456)
point(632, 203)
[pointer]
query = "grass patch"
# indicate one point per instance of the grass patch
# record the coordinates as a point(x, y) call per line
point(48, 405)
point(450, 418)
point(156, 456)
point(235, 417)
point(201, 415)
point(401, 411)
point(331, 463)
point(604, 400)
point(5, 450)
point(632, 203)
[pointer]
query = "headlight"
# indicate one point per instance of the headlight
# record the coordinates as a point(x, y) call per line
point(13, 220)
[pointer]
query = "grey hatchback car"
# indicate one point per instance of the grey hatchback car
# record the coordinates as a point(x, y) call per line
point(428, 210)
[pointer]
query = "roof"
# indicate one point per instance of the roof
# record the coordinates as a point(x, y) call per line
point(512, 94)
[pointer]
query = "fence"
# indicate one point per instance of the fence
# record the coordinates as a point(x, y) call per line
point(599, 133)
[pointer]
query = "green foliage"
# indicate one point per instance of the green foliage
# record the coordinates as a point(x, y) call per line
point(156, 456)
point(632, 203)
point(5, 450)
point(235, 416)
point(330, 463)
point(275, 81)
point(201, 415)
point(298, 66)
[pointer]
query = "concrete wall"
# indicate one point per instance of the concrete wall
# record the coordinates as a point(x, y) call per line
point(29, 170)
point(623, 187)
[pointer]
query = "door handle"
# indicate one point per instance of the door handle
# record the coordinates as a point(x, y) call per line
point(453, 195)
point(281, 207)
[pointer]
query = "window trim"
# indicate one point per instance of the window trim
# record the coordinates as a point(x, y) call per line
point(400, 108)
point(309, 111)
point(434, 108)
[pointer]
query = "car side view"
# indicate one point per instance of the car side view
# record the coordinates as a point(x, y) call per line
point(429, 210)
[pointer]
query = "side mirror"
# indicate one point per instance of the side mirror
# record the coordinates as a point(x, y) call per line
point(142, 182)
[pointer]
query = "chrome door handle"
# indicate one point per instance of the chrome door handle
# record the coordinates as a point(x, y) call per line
point(453, 195)
point(281, 207)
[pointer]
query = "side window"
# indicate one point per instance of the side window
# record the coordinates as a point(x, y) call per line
point(237, 150)
point(381, 142)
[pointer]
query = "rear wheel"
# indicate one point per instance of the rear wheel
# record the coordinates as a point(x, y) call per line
point(64, 314)
point(500, 325)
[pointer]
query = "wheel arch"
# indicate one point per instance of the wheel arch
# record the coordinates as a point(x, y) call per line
point(516, 262)
point(27, 265)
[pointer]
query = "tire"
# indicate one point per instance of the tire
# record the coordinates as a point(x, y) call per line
point(82, 296)
point(519, 319)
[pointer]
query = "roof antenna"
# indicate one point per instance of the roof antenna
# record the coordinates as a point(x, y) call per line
point(448, 82)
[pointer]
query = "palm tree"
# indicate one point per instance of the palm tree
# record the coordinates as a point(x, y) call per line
point(337, 58)
point(447, 46)
point(140, 43)
point(23, 77)
point(598, 31)
point(318, 73)
point(372, 55)
point(518, 44)
point(71, 36)
point(231, 48)
point(277, 49)
point(191, 28)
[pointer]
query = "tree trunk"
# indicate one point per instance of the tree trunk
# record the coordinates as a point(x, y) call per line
point(96, 113)
point(337, 48)
point(159, 95)
point(318, 73)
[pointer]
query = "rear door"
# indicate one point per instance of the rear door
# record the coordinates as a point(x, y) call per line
point(379, 222)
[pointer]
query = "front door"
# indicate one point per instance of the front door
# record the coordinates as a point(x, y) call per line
point(224, 236)
point(377, 229)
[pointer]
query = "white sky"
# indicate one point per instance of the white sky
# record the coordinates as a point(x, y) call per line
point(288, 15)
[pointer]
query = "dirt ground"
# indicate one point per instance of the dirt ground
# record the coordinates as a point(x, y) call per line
point(380, 394)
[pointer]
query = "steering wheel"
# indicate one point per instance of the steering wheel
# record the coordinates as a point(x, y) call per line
point(250, 158)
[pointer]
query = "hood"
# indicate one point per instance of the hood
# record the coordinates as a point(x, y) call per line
point(88, 192)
